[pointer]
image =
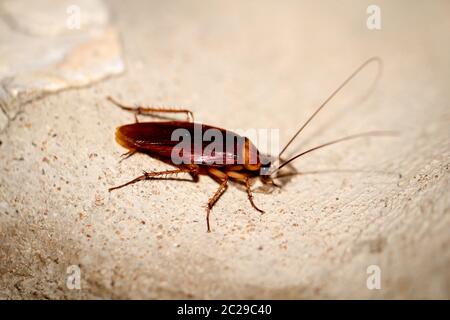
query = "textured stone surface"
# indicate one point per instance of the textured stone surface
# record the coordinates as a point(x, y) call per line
point(242, 64)
point(43, 51)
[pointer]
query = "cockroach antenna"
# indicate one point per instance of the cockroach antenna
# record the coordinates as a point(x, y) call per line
point(332, 95)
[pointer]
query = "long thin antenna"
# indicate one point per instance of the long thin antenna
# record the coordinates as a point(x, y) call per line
point(377, 59)
point(365, 134)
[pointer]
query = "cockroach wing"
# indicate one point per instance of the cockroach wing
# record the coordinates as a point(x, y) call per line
point(160, 138)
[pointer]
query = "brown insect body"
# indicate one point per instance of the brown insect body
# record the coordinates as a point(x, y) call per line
point(241, 163)
point(155, 139)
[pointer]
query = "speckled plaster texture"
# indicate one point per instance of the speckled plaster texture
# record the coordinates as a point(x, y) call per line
point(242, 64)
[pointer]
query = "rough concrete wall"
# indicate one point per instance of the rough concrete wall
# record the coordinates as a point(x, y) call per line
point(264, 64)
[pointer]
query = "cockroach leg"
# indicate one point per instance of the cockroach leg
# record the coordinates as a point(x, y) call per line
point(126, 155)
point(213, 200)
point(250, 195)
point(246, 180)
point(276, 185)
point(222, 177)
point(149, 110)
point(270, 181)
point(150, 175)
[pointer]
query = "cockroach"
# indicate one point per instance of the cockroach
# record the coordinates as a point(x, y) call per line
point(156, 140)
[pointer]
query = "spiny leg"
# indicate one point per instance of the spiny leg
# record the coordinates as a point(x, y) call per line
point(126, 155)
point(246, 180)
point(150, 175)
point(269, 180)
point(149, 110)
point(250, 195)
point(213, 200)
point(223, 178)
